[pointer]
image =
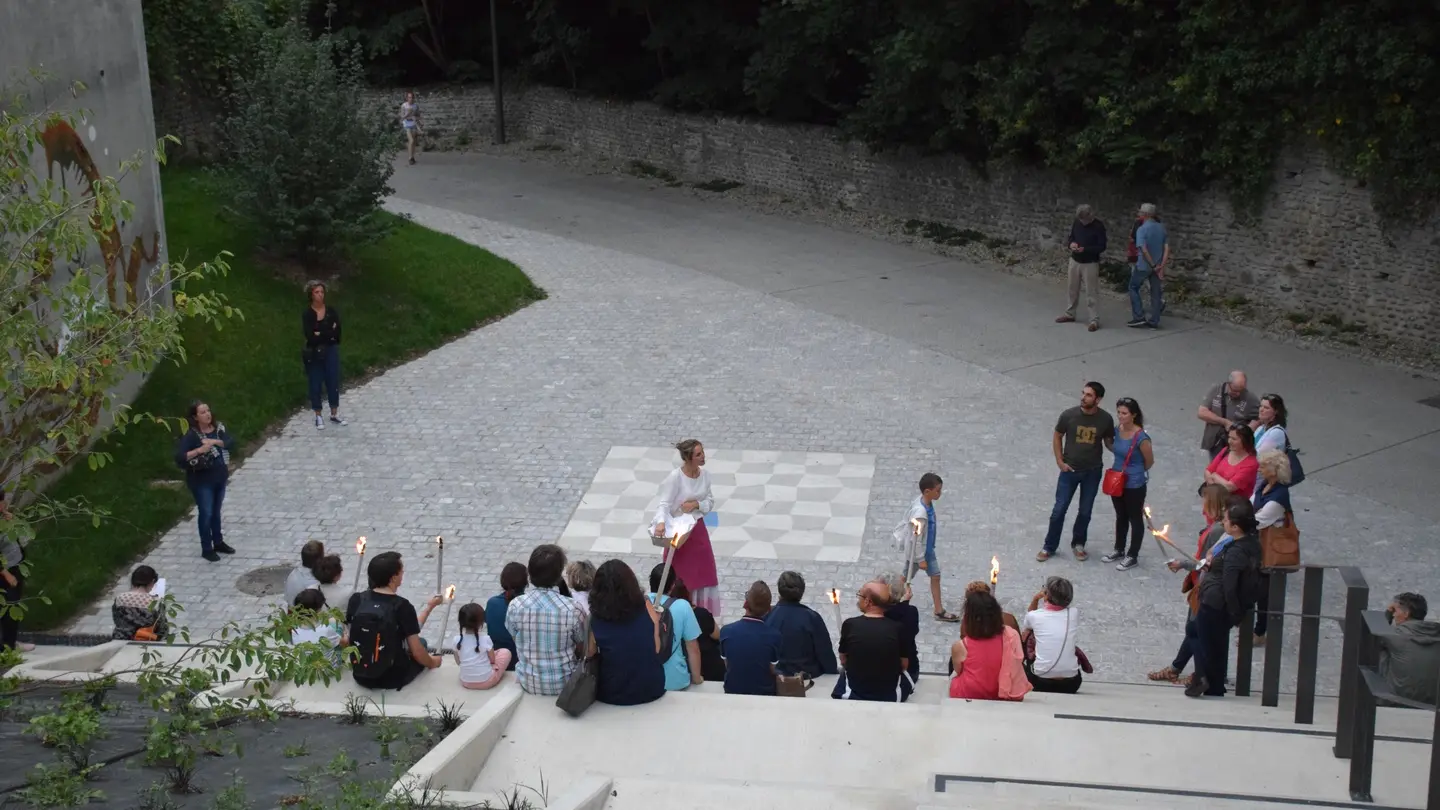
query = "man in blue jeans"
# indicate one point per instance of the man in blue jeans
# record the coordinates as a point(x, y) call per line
point(1152, 246)
point(1081, 436)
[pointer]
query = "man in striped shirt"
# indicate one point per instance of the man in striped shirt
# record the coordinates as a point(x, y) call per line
point(549, 629)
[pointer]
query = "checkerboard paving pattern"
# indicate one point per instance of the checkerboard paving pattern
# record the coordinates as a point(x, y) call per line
point(770, 505)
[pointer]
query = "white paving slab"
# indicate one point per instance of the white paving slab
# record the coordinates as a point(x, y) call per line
point(769, 505)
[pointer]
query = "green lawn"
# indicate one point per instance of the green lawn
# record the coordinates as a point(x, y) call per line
point(405, 295)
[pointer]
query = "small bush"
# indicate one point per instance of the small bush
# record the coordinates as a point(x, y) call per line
point(309, 162)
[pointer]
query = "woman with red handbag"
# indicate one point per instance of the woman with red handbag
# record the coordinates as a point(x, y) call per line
point(1125, 482)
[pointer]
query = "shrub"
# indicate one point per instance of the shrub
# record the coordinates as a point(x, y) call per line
point(307, 160)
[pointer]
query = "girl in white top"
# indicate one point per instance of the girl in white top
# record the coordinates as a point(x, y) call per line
point(686, 492)
point(312, 629)
point(481, 665)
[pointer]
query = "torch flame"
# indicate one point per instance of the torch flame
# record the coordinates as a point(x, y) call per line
point(450, 594)
point(994, 570)
point(1147, 510)
point(917, 524)
point(1163, 533)
point(360, 546)
point(834, 596)
point(675, 541)
point(440, 541)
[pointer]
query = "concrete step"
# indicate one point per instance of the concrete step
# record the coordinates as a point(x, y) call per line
point(716, 794)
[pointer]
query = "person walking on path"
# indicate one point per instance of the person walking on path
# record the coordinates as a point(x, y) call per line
point(923, 509)
point(1152, 246)
point(1081, 433)
point(204, 454)
point(1226, 404)
point(1130, 436)
point(686, 491)
point(321, 324)
point(1087, 242)
point(410, 121)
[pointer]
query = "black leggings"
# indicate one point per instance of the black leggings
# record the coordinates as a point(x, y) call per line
point(1130, 512)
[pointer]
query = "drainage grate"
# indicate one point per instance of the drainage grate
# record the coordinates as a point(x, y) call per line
point(267, 581)
point(1433, 402)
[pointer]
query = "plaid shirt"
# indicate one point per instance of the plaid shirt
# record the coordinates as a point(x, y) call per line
point(547, 628)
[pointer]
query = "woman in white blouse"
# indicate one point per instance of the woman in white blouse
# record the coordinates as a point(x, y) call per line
point(686, 491)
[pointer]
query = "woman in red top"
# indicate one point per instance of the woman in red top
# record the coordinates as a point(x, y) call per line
point(979, 655)
point(1237, 468)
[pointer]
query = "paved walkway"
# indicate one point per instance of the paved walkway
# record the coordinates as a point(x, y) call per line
point(791, 339)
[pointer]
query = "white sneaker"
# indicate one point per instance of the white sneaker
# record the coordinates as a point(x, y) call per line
point(319, 422)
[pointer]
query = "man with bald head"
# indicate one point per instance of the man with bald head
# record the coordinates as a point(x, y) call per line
point(1227, 403)
point(872, 650)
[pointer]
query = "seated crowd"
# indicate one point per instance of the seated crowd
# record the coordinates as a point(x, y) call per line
point(543, 628)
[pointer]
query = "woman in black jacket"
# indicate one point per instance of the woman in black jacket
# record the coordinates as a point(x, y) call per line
point(321, 325)
point(1228, 589)
point(204, 454)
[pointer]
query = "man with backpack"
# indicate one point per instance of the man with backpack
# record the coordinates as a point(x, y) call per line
point(384, 629)
point(677, 623)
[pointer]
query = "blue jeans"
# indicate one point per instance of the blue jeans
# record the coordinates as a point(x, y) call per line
point(1088, 482)
point(208, 498)
point(325, 373)
point(1138, 277)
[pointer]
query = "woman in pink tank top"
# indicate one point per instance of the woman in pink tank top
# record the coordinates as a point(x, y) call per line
point(980, 656)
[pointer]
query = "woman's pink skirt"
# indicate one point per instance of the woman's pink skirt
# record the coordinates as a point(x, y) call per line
point(695, 566)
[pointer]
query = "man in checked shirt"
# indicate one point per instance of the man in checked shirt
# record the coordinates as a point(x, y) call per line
point(549, 629)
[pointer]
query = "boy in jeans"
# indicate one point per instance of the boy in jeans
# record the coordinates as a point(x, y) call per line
point(923, 510)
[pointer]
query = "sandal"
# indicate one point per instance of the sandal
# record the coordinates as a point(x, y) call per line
point(1166, 674)
point(946, 616)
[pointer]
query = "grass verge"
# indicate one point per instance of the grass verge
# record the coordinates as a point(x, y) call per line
point(403, 296)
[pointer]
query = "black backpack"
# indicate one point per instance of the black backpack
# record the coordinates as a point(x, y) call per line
point(667, 630)
point(375, 632)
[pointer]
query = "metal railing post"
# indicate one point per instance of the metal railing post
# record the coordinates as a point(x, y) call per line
point(1362, 735)
point(1432, 802)
point(1274, 639)
point(1310, 600)
point(1357, 600)
point(1245, 656)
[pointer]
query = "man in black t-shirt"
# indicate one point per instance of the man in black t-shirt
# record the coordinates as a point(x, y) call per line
point(872, 650)
point(385, 573)
point(1081, 436)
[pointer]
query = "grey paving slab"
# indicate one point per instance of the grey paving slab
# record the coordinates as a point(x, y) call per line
point(1345, 411)
point(497, 439)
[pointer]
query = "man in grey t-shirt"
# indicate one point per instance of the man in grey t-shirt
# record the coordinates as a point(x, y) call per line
point(1229, 402)
point(1081, 435)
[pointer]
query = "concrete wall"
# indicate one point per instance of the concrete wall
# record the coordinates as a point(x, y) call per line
point(1319, 247)
point(100, 43)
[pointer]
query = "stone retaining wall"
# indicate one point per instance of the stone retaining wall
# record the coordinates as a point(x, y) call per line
point(1318, 247)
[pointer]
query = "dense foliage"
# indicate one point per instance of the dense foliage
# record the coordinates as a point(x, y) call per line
point(1188, 93)
point(308, 161)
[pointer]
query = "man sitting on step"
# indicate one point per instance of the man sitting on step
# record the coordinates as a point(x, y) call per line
point(872, 650)
point(1410, 659)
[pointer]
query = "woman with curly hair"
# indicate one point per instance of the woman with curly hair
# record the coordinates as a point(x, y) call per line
point(625, 633)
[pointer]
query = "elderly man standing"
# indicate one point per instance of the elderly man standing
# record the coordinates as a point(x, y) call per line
point(872, 650)
point(1152, 245)
point(1410, 659)
point(1087, 242)
point(1227, 403)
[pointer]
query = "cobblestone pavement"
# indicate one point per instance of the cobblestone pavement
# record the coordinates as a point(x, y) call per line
point(492, 440)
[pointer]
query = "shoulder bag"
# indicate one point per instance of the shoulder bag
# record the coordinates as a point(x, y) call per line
point(580, 690)
point(1113, 484)
point(1280, 545)
point(203, 461)
point(1297, 472)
